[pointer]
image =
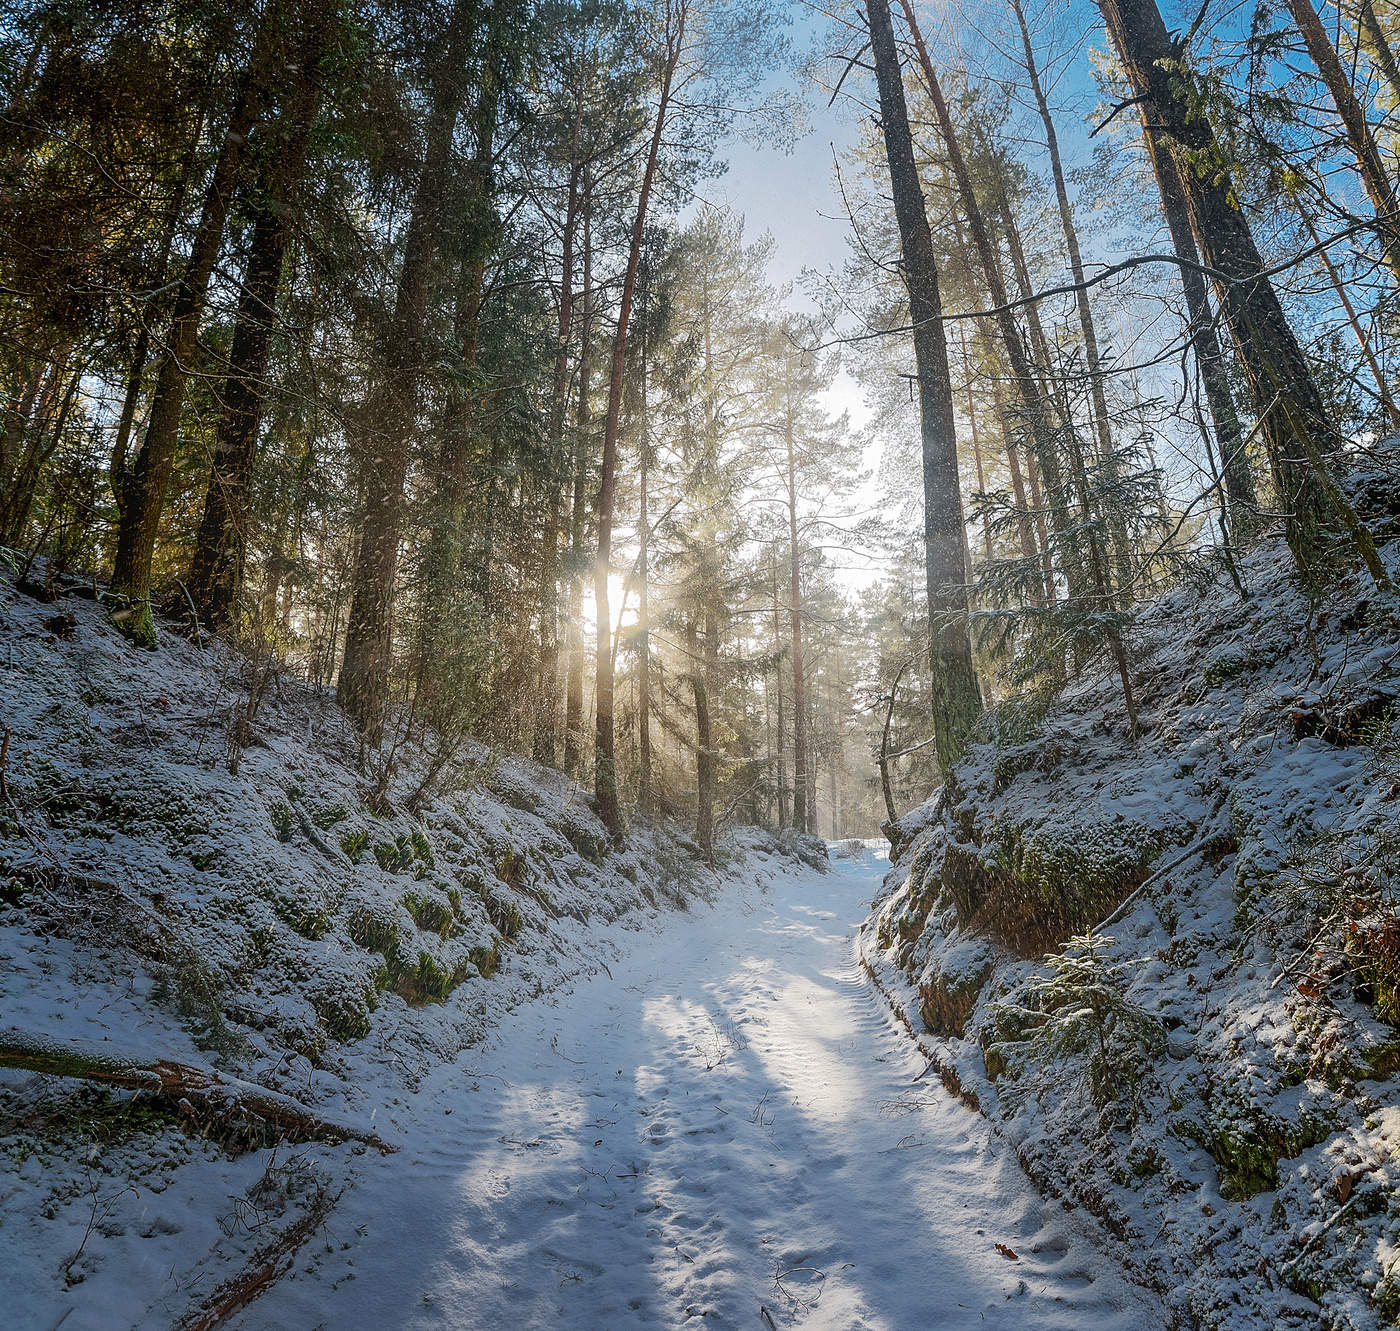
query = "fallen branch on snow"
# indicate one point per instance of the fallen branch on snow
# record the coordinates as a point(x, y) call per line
point(228, 1101)
point(265, 1268)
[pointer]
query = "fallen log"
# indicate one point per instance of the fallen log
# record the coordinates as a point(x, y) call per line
point(264, 1269)
point(241, 1106)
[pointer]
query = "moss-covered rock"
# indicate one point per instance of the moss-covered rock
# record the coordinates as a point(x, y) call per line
point(949, 987)
point(1250, 1130)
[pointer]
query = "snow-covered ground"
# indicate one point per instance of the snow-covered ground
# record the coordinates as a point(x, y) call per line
point(729, 1122)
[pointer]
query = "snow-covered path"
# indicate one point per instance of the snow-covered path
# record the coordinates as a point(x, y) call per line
point(730, 1122)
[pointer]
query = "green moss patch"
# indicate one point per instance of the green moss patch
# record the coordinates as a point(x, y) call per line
point(946, 1002)
point(1035, 886)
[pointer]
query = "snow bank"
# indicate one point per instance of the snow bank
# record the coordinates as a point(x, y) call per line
point(1213, 1073)
point(199, 865)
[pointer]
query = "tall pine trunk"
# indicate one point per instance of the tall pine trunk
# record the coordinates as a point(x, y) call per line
point(1242, 503)
point(780, 738)
point(1087, 329)
point(702, 665)
point(447, 566)
point(143, 499)
point(583, 462)
point(605, 757)
point(1376, 45)
point(546, 723)
point(1379, 187)
point(801, 818)
point(957, 701)
point(136, 370)
point(1295, 426)
point(644, 792)
point(1340, 287)
point(387, 421)
point(1035, 406)
point(216, 577)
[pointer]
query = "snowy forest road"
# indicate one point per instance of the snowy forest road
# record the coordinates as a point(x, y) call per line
point(730, 1122)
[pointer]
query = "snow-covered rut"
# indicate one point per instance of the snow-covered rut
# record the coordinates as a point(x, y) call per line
point(729, 1123)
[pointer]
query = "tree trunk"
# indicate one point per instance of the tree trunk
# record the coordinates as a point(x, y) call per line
point(1378, 47)
point(1073, 449)
point(1363, 144)
point(780, 740)
point(833, 775)
point(800, 815)
point(957, 701)
point(605, 762)
point(227, 1102)
point(1076, 262)
point(644, 799)
point(1382, 389)
point(215, 581)
point(1294, 421)
point(20, 413)
point(583, 458)
point(45, 431)
point(1210, 358)
point(700, 675)
point(968, 378)
point(886, 788)
point(547, 721)
point(1033, 400)
point(136, 371)
point(388, 420)
point(445, 555)
point(1030, 519)
point(144, 498)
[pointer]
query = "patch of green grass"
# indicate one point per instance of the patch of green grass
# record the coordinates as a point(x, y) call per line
point(431, 916)
point(487, 960)
point(374, 933)
point(283, 821)
point(504, 915)
point(409, 852)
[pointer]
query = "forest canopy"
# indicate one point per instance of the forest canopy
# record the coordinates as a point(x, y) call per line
point(399, 345)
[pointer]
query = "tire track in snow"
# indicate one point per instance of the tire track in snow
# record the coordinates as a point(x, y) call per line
point(731, 1121)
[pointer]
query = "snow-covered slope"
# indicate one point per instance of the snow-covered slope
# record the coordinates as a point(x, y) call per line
point(197, 870)
point(1214, 1075)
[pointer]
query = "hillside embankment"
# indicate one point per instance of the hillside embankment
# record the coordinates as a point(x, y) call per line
point(1167, 966)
